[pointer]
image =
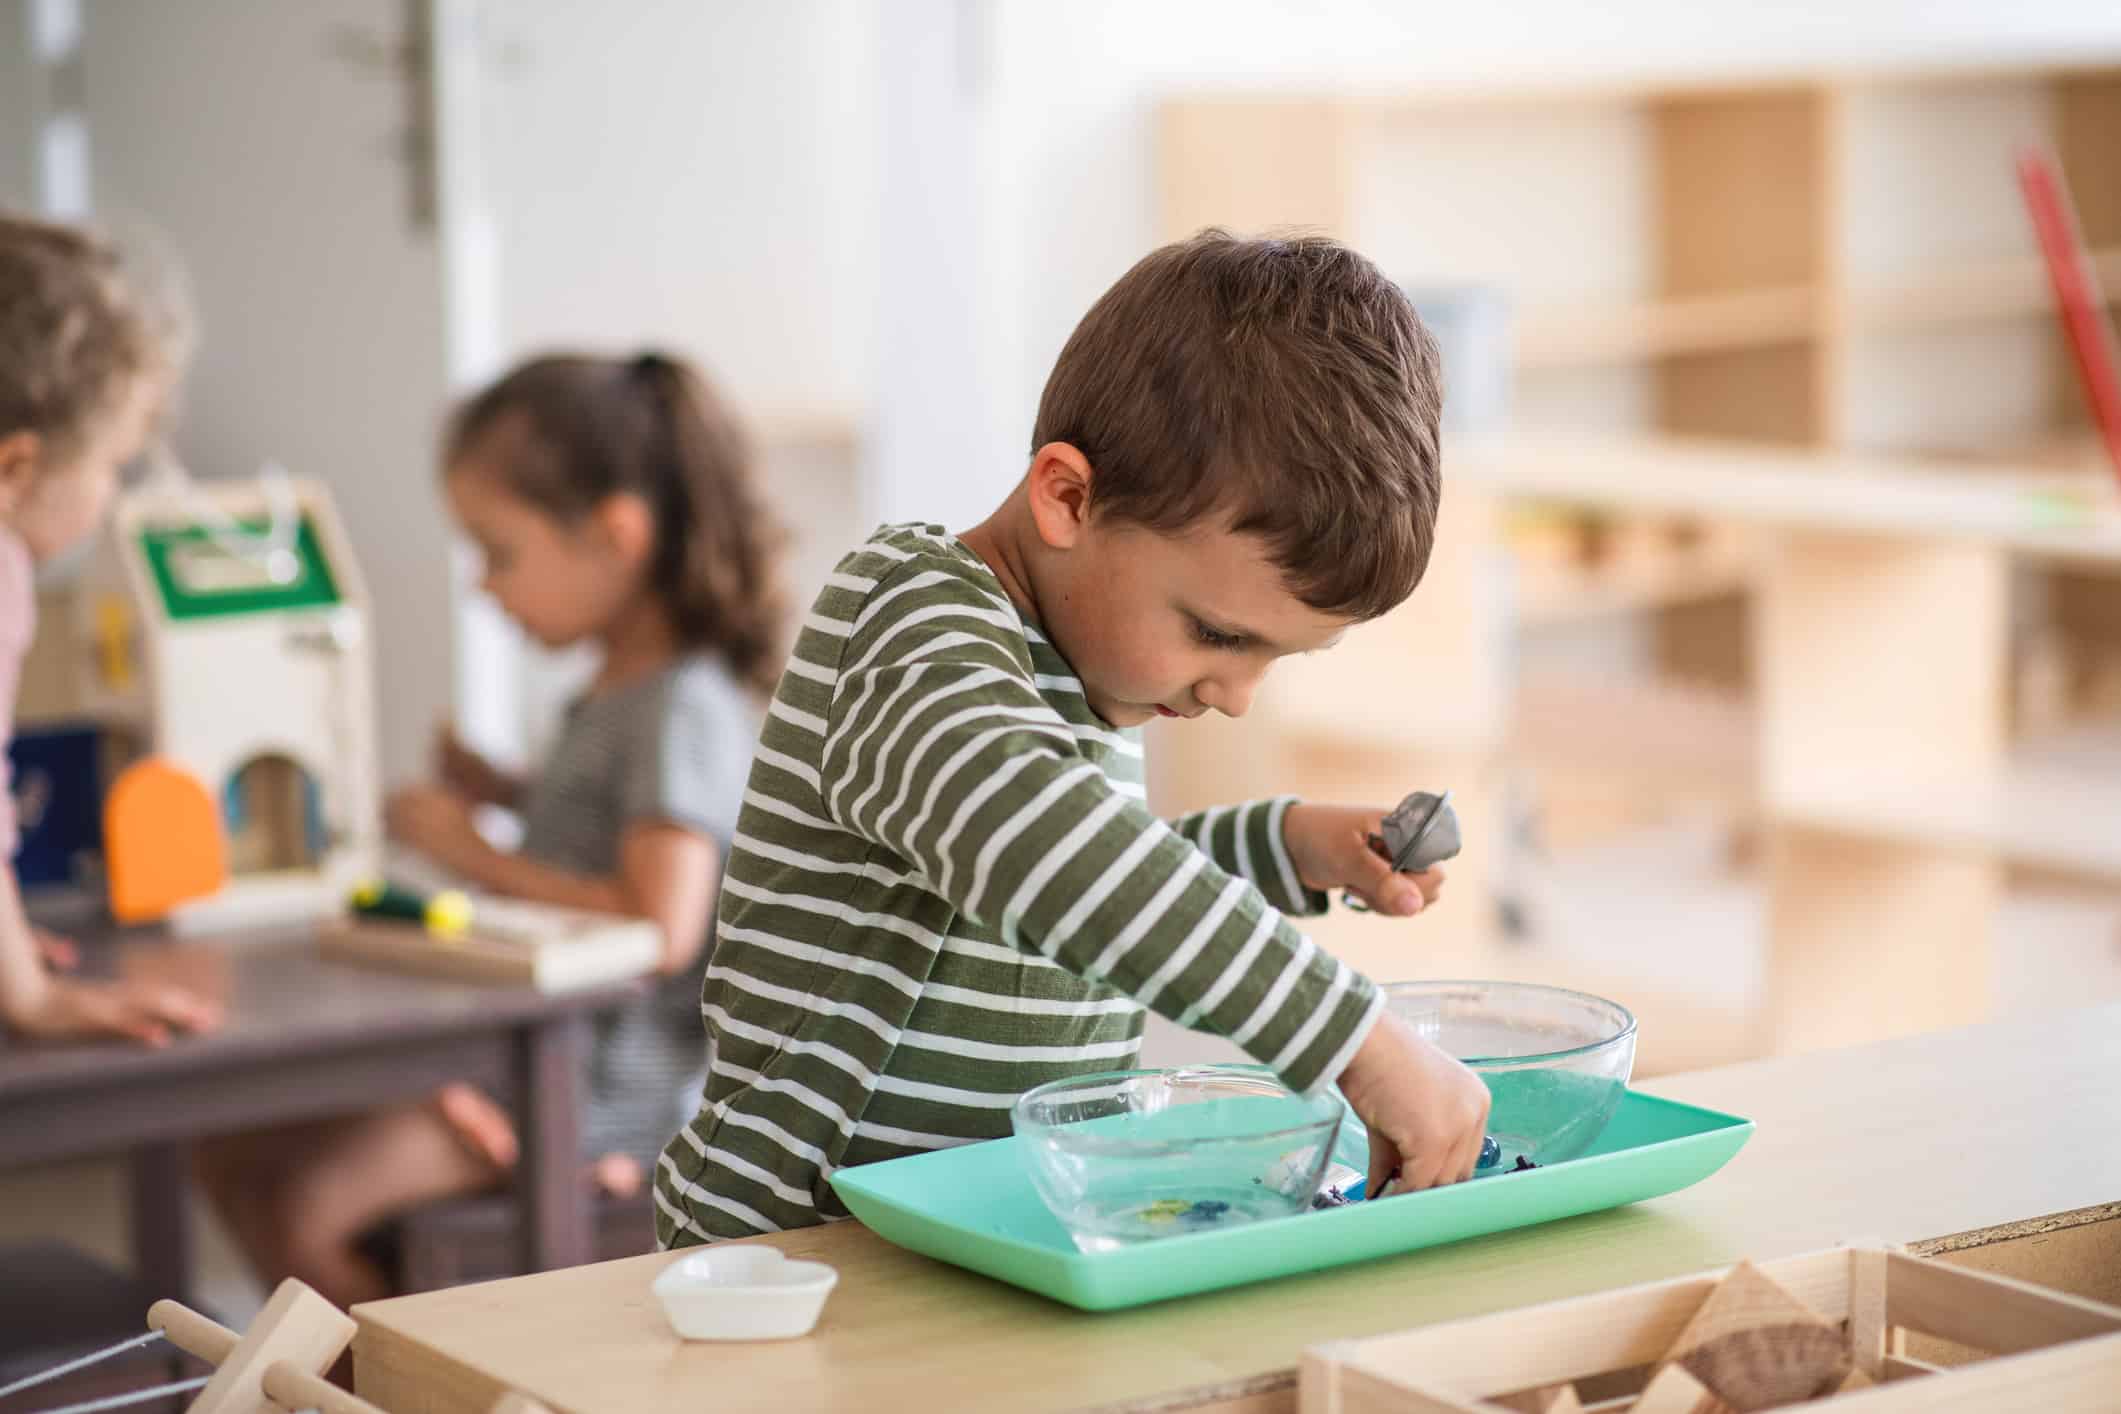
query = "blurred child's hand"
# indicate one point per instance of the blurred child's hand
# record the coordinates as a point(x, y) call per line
point(1330, 847)
point(617, 1175)
point(1426, 1113)
point(437, 822)
point(148, 1012)
point(58, 952)
point(469, 774)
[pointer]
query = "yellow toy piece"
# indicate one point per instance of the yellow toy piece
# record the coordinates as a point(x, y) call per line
point(114, 643)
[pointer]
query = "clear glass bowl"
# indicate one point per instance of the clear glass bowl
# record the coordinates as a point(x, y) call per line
point(1127, 1156)
point(1555, 1061)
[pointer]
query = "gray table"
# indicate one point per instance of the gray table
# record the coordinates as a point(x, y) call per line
point(303, 1038)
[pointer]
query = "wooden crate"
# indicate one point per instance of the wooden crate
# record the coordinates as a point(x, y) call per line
point(2028, 1348)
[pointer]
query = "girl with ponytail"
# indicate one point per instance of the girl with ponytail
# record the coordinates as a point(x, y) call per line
point(614, 504)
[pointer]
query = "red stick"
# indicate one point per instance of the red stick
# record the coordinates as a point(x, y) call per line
point(2082, 306)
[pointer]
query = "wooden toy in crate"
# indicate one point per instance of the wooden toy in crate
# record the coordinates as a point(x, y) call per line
point(1827, 1325)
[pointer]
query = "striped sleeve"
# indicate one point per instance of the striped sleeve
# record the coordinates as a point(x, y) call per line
point(940, 749)
point(1246, 840)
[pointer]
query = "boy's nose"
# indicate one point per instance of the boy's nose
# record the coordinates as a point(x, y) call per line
point(1230, 696)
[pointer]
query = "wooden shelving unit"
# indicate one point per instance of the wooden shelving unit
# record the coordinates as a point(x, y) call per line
point(1654, 571)
point(1558, 338)
point(2001, 289)
point(1737, 305)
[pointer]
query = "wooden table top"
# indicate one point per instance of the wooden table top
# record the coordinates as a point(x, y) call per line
point(1908, 1140)
point(280, 998)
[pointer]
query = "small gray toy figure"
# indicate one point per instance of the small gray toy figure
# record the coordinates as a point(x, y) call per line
point(1421, 834)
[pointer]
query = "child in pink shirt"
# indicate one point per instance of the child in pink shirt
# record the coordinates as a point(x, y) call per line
point(81, 375)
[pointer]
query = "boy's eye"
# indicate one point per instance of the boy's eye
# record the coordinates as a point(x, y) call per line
point(1215, 637)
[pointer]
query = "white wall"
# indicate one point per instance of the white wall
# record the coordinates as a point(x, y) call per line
point(700, 178)
point(696, 175)
point(938, 383)
point(239, 132)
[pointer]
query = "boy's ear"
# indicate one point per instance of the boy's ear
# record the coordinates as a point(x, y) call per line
point(627, 525)
point(21, 455)
point(1059, 487)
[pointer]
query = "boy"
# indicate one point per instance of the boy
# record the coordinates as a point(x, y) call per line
point(945, 888)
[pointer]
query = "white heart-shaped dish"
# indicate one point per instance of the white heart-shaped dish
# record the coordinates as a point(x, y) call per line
point(743, 1291)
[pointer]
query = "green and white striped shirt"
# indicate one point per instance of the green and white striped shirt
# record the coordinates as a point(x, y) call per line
point(945, 889)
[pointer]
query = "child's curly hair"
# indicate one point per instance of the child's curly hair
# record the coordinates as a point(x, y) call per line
point(652, 426)
point(73, 336)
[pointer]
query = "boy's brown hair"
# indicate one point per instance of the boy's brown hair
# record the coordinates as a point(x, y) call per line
point(654, 427)
point(72, 334)
point(1283, 387)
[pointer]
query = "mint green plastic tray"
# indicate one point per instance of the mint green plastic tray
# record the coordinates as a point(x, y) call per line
point(975, 1207)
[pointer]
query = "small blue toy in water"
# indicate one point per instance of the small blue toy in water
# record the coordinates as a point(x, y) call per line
point(1343, 1185)
point(1490, 1154)
point(1201, 1213)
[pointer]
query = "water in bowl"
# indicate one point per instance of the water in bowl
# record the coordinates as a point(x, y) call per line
point(1156, 1173)
point(1108, 1223)
point(1547, 1116)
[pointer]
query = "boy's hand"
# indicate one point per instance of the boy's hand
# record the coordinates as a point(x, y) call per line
point(437, 822)
point(468, 773)
point(1330, 846)
point(148, 1012)
point(1426, 1113)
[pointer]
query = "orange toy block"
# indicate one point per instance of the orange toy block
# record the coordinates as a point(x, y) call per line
point(163, 841)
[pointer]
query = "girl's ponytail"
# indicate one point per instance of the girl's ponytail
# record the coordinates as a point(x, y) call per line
point(716, 551)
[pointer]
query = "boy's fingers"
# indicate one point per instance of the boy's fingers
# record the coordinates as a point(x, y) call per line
point(1468, 1160)
point(1419, 1164)
point(1428, 1170)
point(1457, 1163)
point(1384, 1162)
point(1384, 890)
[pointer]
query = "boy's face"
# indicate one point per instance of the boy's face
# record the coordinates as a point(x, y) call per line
point(1172, 625)
point(55, 500)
